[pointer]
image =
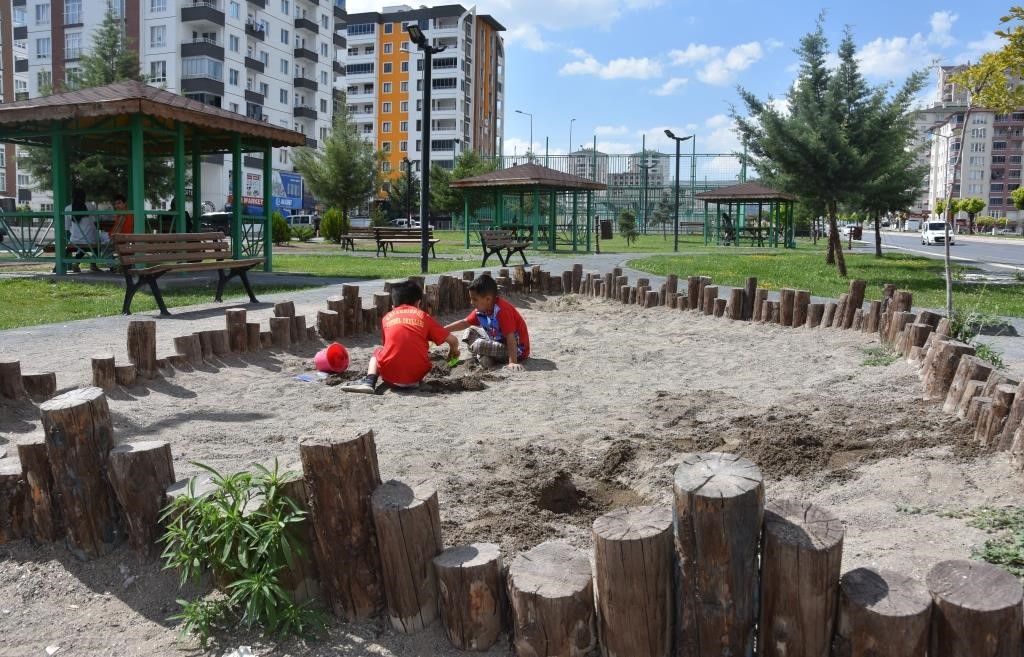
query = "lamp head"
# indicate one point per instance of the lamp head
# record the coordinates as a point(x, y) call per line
point(669, 134)
point(416, 35)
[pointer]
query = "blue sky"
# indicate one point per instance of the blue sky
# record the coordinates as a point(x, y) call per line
point(625, 68)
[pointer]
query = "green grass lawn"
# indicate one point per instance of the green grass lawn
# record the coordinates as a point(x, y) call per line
point(361, 267)
point(27, 302)
point(805, 269)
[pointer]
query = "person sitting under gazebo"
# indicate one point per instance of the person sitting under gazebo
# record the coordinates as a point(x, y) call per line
point(82, 228)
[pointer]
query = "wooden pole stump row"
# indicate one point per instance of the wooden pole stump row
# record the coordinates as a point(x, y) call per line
point(103, 373)
point(471, 595)
point(692, 291)
point(990, 422)
point(281, 331)
point(254, 342)
point(977, 610)
point(341, 475)
point(551, 594)
point(142, 347)
point(39, 386)
point(719, 505)
point(737, 303)
point(1014, 419)
point(238, 333)
point(970, 368)
point(760, 296)
point(633, 555)
point(882, 613)
point(802, 552)
point(13, 523)
point(139, 474)
point(830, 314)
point(79, 437)
point(408, 523)
point(840, 313)
point(189, 346)
point(42, 522)
point(11, 385)
point(801, 305)
point(787, 301)
point(749, 294)
point(710, 295)
point(874, 312)
point(943, 366)
point(815, 315)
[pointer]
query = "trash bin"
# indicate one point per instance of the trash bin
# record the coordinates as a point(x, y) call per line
point(606, 229)
point(857, 232)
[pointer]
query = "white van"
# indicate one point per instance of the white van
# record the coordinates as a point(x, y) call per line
point(934, 232)
point(299, 220)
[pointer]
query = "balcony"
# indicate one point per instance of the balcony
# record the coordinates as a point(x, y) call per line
point(339, 10)
point(302, 82)
point(339, 68)
point(20, 65)
point(310, 142)
point(202, 47)
point(254, 64)
point(254, 97)
point(262, 4)
point(206, 11)
point(306, 53)
point(202, 83)
point(304, 112)
point(21, 33)
point(340, 41)
point(256, 30)
point(303, 23)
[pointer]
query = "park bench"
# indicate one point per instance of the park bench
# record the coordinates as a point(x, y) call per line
point(357, 233)
point(504, 244)
point(391, 236)
point(144, 258)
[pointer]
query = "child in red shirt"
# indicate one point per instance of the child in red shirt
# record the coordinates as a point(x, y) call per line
point(497, 330)
point(404, 360)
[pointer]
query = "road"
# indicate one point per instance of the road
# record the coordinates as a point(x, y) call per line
point(988, 253)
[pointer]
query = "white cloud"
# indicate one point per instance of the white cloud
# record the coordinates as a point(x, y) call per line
point(519, 146)
point(723, 70)
point(975, 49)
point(528, 36)
point(897, 56)
point(694, 53)
point(635, 68)
point(611, 130)
point(616, 147)
point(670, 86)
point(942, 27)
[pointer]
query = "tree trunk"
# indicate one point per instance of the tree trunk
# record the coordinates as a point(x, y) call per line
point(11, 385)
point(882, 614)
point(977, 610)
point(835, 248)
point(103, 375)
point(471, 595)
point(878, 235)
point(139, 474)
point(125, 374)
point(40, 386)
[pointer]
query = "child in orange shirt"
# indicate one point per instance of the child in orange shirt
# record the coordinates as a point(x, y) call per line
point(404, 359)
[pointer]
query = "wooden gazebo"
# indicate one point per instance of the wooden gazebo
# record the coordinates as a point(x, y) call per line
point(772, 223)
point(134, 120)
point(535, 180)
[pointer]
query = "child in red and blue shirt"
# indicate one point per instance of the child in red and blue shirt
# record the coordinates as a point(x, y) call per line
point(496, 329)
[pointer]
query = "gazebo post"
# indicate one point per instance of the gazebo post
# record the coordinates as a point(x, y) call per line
point(575, 220)
point(268, 206)
point(137, 180)
point(59, 192)
point(236, 195)
point(552, 227)
point(179, 177)
point(590, 220)
point(465, 217)
point(197, 181)
point(791, 229)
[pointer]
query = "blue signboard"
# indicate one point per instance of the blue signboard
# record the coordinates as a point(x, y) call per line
point(287, 191)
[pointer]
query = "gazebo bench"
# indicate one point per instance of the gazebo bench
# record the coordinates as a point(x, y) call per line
point(356, 233)
point(391, 236)
point(499, 242)
point(145, 258)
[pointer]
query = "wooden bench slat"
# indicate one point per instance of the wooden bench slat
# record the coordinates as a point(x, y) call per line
point(121, 238)
point(186, 256)
point(171, 247)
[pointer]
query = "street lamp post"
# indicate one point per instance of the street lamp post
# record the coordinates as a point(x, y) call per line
point(675, 228)
point(416, 36)
point(571, 121)
point(530, 149)
point(408, 190)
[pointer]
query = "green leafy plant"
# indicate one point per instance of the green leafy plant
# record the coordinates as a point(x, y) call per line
point(1018, 276)
point(879, 356)
point(627, 226)
point(303, 233)
point(244, 532)
point(987, 353)
point(334, 225)
point(280, 230)
point(1006, 548)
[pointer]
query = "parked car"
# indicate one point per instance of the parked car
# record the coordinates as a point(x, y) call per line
point(300, 220)
point(212, 222)
point(934, 232)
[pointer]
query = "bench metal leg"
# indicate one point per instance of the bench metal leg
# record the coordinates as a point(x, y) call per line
point(130, 288)
point(151, 281)
point(488, 254)
point(244, 276)
point(522, 254)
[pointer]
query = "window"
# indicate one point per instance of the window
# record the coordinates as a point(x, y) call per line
point(387, 48)
point(368, 50)
point(387, 88)
point(325, 22)
point(360, 69)
point(385, 167)
point(72, 12)
point(361, 28)
point(43, 13)
point(285, 66)
point(323, 77)
point(265, 58)
point(353, 52)
point(976, 174)
point(386, 126)
point(404, 85)
point(72, 45)
point(44, 79)
point(404, 107)
point(233, 107)
point(157, 6)
point(386, 108)
point(286, 8)
point(158, 71)
point(1015, 159)
point(442, 144)
point(403, 146)
point(444, 83)
point(233, 77)
point(158, 36)
point(233, 43)
point(264, 89)
point(24, 180)
point(979, 133)
point(995, 200)
point(404, 126)
point(1014, 173)
point(974, 188)
point(72, 76)
point(386, 147)
point(997, 187)
point(976, 160)
point(976, 147)
point(43, 48)
point(998, 159)
point(387, 67)
point(286, 38)
point(389, 28)
point(979, 120)
point(202, 67)
point(323, 104)
point(282, 156)
point(234, 9)
point(284, 96)
point(1017, 116)
point(999, 145)
point(405, 67)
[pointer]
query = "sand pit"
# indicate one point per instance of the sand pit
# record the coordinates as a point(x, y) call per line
point(614, 396)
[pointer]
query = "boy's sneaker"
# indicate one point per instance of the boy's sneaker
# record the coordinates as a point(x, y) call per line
point(364, 385)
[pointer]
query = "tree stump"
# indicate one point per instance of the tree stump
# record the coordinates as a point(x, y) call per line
point(551, 593)
point(787, 301)
point(139, 474)
point(79, 437)
point(710, 295)
point(408, 525)
point(471, 595)
point(671, 285)
point(340, 477)
point(125, 375)
point(977, 610)
point(518, 278)
point(311, 334)
point(970, 368)
point(284, 309)
point(300, 578)
point(633, 294)
point(971, 390)
point(775, 312)
point(298, 332)
point(766, 311)
point(692, 291)
point(633, 562)
point(976, 407)
point(352, 321)
point(749, 292)
point(624, 294)
point(42, 517)
point(1013, 419)
point(11, 385)
point(801, 302)
point(840, 315)
point(253, 341)
point(577, 277)
point(915, 354)
point(281, 331)
point(760, 296)
point(703, 282)
point(802, 552)
point(943, 328)
point(736, 303)
point(871, 326)
point(815, 313)
point(882, 614)
point(190, 347)
point(854, 301)
point(943, 367)
point(651, 299)
point(1017, 448)
point(40, 386)
point(897, 323)
point(830, 314)
point(990, 422)
point(12, 501)
point(930, 349)
point(916, 334)
point(719, 503)
point(103, 375)
point(328, 323)
point(567, 282)
point(142, 347)
point(221, 342)
point(858, 319)
point(238, 334)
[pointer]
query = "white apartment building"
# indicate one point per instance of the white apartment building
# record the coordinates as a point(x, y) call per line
point(273, 60)
point(589, 163)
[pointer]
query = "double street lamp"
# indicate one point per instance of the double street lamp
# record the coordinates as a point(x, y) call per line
point(417, 36)
point(530, 149)
point(679, 140)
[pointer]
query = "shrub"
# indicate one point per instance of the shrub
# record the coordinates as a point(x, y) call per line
point(334, 225)
point(987, 353)
point(627, 225)
point(303, 233)
point(279, 229)
point(379, 216)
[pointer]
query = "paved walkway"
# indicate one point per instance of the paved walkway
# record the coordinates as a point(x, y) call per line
point(67, 348)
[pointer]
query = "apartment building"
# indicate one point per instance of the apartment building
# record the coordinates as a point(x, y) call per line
point(589, 163)
point(13, 86)
point(384, 81)
point(271, 60)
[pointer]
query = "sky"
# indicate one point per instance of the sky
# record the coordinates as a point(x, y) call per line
point(624, 69)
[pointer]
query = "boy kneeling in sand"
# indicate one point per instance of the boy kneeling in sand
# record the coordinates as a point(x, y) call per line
point(496, 332)
point(404, 359)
